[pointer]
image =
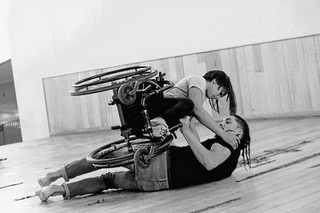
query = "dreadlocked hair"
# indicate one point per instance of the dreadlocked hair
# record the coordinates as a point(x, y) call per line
point(222, 80)
point(245, 141)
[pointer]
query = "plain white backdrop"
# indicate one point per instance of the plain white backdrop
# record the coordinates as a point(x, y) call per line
point(4, 38)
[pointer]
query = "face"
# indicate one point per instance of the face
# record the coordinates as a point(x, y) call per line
point(230, 124)
point(215, 91)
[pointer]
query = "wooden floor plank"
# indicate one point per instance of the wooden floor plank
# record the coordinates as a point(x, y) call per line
point(285, 171)
point(304, 202)
point(254, 191)
point(310, 208)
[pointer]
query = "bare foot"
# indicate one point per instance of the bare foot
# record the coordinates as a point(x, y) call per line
point(158, 121)
point(49, 178)
point(48, 191)
point(159, 127)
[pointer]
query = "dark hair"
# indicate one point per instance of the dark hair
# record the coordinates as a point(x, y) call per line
point(222, 80)
point(245, 140)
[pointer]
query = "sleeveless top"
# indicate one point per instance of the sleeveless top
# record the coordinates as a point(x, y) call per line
point(186, 170)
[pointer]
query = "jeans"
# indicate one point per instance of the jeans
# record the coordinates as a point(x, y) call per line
point(153, 178)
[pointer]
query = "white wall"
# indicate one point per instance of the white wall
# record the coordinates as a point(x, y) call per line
point(4, 40)
point(55, 37)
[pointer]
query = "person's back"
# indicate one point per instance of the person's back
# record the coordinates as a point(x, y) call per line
point(181, 89)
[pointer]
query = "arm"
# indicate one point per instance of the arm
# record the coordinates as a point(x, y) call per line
point(193, 127)
point(204, 117)
point(210, 159)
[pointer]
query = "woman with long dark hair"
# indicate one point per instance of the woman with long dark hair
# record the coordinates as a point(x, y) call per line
point(212, 86)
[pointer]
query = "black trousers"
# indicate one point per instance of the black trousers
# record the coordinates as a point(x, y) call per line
point(170, 109)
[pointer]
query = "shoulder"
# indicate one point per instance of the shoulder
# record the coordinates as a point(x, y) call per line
point(192, 79)
point(198, 82)
point(217, 147)
point(196, 79)
point(220, 143)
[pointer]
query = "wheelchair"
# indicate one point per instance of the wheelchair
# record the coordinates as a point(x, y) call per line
point(132, 87)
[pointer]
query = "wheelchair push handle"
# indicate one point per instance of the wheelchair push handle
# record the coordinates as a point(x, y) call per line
point(169, 84)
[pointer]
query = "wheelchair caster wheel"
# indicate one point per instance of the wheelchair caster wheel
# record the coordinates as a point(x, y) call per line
point(141, 158)
point(125, 96)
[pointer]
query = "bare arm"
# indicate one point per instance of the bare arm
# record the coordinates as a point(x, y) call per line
point(205, 118)
point(210, 159)
point(193, 127)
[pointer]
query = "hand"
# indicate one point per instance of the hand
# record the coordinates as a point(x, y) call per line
point(231, 139)
point(185, 123)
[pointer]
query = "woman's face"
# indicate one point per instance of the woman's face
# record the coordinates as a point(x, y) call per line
point(215, 91)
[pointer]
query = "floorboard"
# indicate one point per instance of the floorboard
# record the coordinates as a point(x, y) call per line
point(285, 175)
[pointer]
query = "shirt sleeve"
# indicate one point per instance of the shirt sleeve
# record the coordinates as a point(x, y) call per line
point(198, 82)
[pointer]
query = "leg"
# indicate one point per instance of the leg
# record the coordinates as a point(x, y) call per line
point(170, 109)
point(154, 178)
point(67, 172)
point(182, 108)
point(124, 180)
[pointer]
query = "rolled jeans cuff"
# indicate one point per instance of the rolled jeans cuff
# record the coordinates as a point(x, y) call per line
point(64, 173)
point(66, 188)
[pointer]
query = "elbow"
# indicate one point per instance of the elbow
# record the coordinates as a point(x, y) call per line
point(210, 165)
point(197, 110)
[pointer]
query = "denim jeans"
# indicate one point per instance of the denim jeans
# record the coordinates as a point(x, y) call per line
point(153, 178)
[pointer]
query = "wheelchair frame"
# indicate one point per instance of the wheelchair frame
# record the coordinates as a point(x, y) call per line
point(131, 86)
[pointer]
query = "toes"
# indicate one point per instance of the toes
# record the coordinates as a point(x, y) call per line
point(44, 181)
point(41, 195)
point(158, 121)
point(38, 192)
point(41, 182)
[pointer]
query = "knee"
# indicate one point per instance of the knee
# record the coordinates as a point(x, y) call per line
point(108, 180)
point(120, 180)
point(188, 103)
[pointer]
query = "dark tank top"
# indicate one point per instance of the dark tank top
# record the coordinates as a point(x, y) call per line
point(186, 170)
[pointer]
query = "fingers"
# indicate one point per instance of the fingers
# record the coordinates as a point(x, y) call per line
point(236, 142)
point(185, 124)
point(185, 120)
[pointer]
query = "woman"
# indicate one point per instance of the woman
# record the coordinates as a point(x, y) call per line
point(212, 86)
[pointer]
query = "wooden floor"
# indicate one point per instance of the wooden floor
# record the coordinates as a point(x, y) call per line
point(285, 176)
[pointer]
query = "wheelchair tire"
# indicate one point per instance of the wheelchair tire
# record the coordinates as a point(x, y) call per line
point(111, 80)
point(117, 154)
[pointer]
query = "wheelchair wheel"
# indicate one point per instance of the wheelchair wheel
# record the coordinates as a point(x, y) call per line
point(141, 157)
point(111, 80)
point(118, 153)
point(127, 93)
point(114, 154)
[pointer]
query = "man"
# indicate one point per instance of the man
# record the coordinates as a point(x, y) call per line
point(196, 163)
